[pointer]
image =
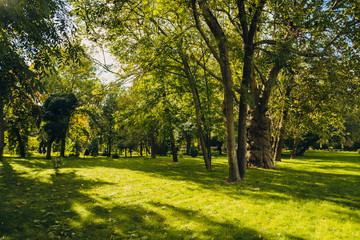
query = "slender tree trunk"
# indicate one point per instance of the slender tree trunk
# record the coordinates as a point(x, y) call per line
point(2, 130)
point(199, 123)
point(293, 153)
point(173, 147)
point(222, 56)
point(48, 148)
point(62, 147)
point(243, 110)
point(280, 141)
point(21, 143)
point(172, 138)
point(282, 127)
point(188, 145)
point(141, 149)
point(153, 144)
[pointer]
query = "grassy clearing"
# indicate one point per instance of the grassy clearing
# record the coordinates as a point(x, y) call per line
point(313, 197)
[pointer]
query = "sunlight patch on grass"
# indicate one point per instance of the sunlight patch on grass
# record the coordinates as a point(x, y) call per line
point(141, 198)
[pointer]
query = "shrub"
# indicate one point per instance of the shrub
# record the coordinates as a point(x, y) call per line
point(193, 151)
point(87, 152)
point(76, 148)
point(57, 163)
point(115, 156)
point(358, 151)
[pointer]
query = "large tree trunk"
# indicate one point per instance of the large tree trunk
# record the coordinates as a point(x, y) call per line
point(2, 130)
point(261, 153)
point(199, 123)
point(259, 141)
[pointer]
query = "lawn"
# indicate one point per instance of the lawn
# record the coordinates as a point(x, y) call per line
point(314, 197)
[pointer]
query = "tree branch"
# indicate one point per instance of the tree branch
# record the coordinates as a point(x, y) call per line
point(201, 31)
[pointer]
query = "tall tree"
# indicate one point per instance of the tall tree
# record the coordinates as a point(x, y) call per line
point(27, 33)
point(58, 109)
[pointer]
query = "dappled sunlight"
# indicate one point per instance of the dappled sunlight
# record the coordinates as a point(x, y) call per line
point(156, 199)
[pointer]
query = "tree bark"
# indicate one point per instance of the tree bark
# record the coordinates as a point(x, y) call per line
point(259, 141)
point(222, 57)
point(199, 123)
point(152, 144)
point(282, 127)
point(2, 130)
point(280, 141)
point(173, 147)
point(48, 148)
point(21, 142)
point(62, 147)
point(293, 153)
point(172, 138)
point(188, 145)
point(141, 148)
point(261, 152)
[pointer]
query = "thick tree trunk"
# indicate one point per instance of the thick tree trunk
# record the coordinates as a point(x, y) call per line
point(62, 147)
point(199, 123)
point(261, 152)
point(2, 130)
point(153, 144)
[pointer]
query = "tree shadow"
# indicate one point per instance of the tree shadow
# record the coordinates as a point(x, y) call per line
point(60, 209)
point(265, 185)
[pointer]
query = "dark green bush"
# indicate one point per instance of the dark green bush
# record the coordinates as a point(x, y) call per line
point(193, 151)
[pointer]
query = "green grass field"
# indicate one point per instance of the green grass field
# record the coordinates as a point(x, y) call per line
point(313, 197)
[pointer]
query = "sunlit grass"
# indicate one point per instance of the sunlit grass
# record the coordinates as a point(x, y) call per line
point(313, 197)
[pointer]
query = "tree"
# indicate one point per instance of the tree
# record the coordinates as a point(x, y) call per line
point(22, 119)
point(58, 109)
point(28, 34)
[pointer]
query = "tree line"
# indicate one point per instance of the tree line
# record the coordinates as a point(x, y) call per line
point(248, 76)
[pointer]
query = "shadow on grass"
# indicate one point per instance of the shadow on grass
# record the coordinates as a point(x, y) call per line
point(303, 184)
point(58, 208)
point(52, 213)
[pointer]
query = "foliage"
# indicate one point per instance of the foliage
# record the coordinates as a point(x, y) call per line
point(193, 151)
point(57, 112)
